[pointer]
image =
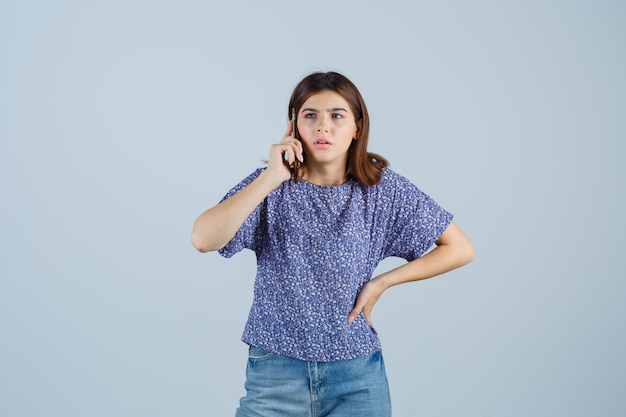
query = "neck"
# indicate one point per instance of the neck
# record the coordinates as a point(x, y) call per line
point(325, 176)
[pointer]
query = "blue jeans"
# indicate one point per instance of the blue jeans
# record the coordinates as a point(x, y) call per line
point(279, 386)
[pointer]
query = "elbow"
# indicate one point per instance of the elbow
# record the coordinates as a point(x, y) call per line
point(201, 243)
point(461, 246)
point(199, 246)
point(467, 253)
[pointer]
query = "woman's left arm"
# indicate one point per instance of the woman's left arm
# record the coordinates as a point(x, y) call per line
point(453, 250)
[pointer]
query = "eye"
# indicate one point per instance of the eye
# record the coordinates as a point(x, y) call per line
point(309, 116)
point(337, 116)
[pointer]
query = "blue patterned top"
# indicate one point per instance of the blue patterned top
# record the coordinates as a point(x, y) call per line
point(316, 246)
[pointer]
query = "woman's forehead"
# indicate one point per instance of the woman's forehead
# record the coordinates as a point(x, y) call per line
point(326, 101)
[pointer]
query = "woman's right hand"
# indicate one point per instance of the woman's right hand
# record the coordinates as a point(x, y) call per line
point(283, 154)
point(216, 226)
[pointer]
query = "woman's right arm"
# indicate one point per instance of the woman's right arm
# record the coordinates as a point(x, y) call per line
point(214, 228)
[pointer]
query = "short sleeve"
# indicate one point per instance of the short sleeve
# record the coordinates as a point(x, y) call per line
point(246, 235)
point(417, 221)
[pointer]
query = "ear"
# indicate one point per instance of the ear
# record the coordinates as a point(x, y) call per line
point(357, 131)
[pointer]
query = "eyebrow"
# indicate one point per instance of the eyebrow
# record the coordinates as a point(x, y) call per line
point(334, 109)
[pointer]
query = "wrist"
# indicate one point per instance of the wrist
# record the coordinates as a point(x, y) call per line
point(273, 179)
point(382, 282)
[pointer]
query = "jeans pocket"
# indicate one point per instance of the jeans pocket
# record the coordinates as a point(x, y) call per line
point(257, 354)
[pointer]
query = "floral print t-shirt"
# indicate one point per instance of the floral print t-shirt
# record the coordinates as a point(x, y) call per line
point(316, 246)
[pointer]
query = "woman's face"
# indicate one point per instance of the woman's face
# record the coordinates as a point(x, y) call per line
point(327, 128)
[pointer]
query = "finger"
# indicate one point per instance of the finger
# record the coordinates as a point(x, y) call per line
point(287, 152)
point(289, 138)
point(300, 152)
point(278, 152)
point(289, 129)
point(352, 316)
point(355, 312)
point(292, 151)
point(297, 150)
point(368, 315)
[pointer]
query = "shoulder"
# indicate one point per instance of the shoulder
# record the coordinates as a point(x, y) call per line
point(254, 175)
point(392, 181)
point(243, 183)
point(399, 189)
point(251, 177)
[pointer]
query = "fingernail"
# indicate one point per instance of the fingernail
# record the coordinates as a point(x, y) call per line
point(286, 156)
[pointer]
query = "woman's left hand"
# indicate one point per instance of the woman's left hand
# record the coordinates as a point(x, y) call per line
point(368, 296)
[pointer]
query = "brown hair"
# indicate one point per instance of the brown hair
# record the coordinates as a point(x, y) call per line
point(364, 166)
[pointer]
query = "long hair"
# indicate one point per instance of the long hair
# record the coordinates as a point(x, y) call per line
point(364, 166)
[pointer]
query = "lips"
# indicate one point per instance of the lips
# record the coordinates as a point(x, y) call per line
point(322, 143)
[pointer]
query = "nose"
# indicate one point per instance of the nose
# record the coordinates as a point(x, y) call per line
point(323, 125)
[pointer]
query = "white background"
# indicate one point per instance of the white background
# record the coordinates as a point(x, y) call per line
point(121, 121)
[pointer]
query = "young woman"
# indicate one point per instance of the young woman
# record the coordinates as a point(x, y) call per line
point(320, 217)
